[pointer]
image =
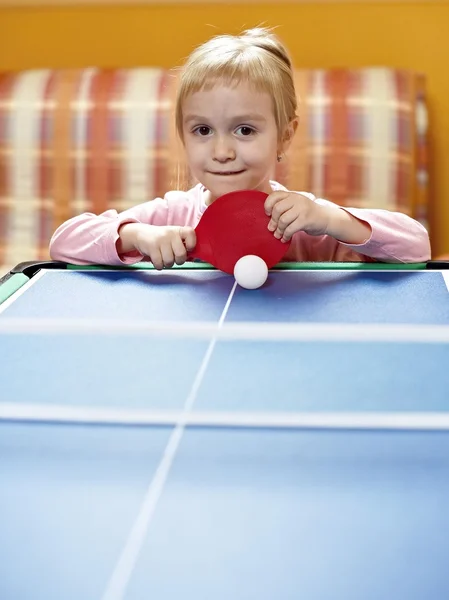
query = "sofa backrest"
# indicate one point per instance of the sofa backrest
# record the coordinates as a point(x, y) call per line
point(91, 139)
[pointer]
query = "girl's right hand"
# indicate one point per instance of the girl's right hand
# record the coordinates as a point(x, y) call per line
point(164, 246)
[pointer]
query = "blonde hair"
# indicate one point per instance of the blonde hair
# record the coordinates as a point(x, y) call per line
point(256, 56)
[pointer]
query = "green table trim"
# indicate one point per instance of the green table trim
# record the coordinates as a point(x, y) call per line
point(144, 266)
point(11, 285)
point(287, 266)
point(349, 266)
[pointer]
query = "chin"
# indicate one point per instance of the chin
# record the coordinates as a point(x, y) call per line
point(217, 191)
point(227, 187)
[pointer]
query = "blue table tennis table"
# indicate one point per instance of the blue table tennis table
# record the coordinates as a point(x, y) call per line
point(170, 435)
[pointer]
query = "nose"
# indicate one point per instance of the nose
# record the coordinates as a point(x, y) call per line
point(223, 149)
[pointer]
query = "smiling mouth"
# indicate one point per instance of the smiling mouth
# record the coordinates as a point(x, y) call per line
point(226, 173)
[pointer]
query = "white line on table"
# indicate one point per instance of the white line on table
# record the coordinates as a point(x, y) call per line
point(122, 573)
point(19, 412)
point(258, 330)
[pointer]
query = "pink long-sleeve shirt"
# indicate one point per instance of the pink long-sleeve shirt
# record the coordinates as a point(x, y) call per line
point(92, 239)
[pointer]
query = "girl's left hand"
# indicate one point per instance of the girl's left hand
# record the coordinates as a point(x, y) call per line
point(291, 212)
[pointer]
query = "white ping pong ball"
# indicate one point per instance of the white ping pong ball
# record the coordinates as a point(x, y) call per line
point(250, 272)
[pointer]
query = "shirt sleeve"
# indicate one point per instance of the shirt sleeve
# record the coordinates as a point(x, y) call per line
point(92, 239)
point(395, 238)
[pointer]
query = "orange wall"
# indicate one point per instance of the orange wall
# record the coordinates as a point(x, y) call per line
point(409, 35)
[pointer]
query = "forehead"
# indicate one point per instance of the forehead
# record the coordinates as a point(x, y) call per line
point(228, 101)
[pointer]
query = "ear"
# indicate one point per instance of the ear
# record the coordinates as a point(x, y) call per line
point(289, 133)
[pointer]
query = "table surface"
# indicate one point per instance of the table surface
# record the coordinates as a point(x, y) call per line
point(171, 435)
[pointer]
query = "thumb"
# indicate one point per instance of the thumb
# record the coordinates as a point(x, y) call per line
point(188, 236)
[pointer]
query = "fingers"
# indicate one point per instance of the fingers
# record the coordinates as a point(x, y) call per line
point(184, 241)
point(179, 251)
point(188, 236)
point(278, 212)
point(285, 228)
point(273, 199)
point(168, 255)
point(171, 246)
point(290, 212)
point(155, 256)
point(290, 230)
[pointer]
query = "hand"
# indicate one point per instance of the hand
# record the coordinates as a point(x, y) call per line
point(291, 212)
point(164, 246)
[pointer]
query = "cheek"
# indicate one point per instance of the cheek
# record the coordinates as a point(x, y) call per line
point(192, 153)
point(262, 153)
point(262, 160)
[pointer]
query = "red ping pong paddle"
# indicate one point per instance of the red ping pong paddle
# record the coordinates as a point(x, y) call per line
point(233, 226)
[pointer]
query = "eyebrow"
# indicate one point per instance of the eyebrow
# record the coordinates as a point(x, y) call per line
point(237, 119)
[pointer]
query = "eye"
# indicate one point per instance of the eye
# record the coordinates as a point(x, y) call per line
point(245, 130)
point(202, 130)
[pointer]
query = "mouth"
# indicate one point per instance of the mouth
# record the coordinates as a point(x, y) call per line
point(226, 173)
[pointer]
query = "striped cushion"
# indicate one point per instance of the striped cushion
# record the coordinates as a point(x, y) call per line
point(92, 139)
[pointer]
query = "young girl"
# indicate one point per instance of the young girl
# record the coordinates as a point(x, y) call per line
point(236, 116)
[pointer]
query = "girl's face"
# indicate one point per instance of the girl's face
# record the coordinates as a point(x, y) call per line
point(231, 139)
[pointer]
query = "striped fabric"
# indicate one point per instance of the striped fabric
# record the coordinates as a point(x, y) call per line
point(91, 139)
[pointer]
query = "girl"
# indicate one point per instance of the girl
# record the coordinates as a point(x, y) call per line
point(236, 116)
